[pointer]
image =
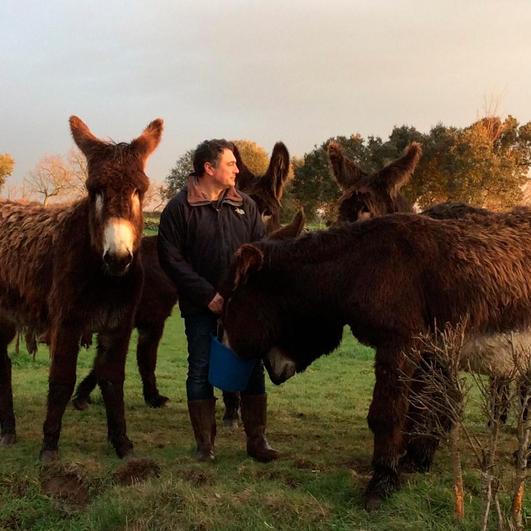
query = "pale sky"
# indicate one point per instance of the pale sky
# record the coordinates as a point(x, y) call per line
point(297, 71)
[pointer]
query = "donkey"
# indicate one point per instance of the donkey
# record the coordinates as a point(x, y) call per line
point(159, 295)
point(366, 196)
point(390, 279)
point(68, 271)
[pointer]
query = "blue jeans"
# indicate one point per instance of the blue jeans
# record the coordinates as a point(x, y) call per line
point(199, 329)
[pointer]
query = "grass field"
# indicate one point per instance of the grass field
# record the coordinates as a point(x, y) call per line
point(317, 421)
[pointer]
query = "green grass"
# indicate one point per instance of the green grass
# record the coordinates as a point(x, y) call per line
point(317, 421)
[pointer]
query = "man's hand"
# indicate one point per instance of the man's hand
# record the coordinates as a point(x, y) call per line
point(216, 304)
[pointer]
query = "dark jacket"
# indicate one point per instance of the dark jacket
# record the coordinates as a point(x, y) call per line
point(197, 239)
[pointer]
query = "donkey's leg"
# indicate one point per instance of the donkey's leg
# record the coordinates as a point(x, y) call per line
point(7, 415)
point(110, 371)
point(81, 398)
point(64, 349)
point(424, 428)
point(386, 419)
point(146, 357)
point(500, 393)
point(231, 417)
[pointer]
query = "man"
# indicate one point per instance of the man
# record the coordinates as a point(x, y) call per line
point(199, 231)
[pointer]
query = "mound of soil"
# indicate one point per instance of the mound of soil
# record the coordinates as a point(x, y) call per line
point(136, 470)
point(65, 485)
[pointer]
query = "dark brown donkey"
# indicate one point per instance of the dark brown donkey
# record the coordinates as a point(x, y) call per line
point(160, 295)
point(71, 270)
point(367, 196)
point(390, 279)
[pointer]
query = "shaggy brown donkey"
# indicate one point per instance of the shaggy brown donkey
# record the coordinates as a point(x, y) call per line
point(367, 196)
point(71, 270)
point(159, 295)
point(390, 279)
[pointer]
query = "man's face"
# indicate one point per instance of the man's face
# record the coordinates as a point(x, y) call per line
point(225, 171)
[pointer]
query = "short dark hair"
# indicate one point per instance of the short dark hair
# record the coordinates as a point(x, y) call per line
point(209, 151)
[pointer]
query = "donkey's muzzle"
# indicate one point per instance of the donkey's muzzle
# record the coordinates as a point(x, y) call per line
point(117, 264)
point(279, 367)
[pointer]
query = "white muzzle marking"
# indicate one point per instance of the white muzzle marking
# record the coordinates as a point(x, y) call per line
point(266, 218)
point(282, 367)
point(118, 237)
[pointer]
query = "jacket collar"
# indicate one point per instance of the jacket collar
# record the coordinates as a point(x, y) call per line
point(196, 197)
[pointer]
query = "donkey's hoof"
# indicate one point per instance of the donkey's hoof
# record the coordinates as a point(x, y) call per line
point(382, 484)
point(124, 449)
point(156, 401)
point(49, 456)
point(8, 439)
point(373, 503)
point(231, 423)
point(81, 404)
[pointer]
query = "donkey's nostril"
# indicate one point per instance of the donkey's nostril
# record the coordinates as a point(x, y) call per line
point(117, 264)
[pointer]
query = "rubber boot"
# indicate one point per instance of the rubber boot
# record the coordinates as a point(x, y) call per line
point(203, 417)
point(254, 414)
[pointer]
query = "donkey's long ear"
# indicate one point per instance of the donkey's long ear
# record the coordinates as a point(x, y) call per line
point(347, 173)
point(83, 137)
point(397, 173)
point(278, 169)
point(147, 142)
point(248, 257)
point(292, 230)
point(245, 176)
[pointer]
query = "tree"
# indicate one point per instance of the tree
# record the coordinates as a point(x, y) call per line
point(77, 163)
point(155, 197)
point(254, 156)
point(51, 178)
point(7, 164)
point(484, 164)
point(179, 173)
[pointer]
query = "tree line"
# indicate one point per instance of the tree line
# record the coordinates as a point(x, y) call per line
point(484, 164)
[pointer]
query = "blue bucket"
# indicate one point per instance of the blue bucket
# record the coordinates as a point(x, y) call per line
point(226, 371)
